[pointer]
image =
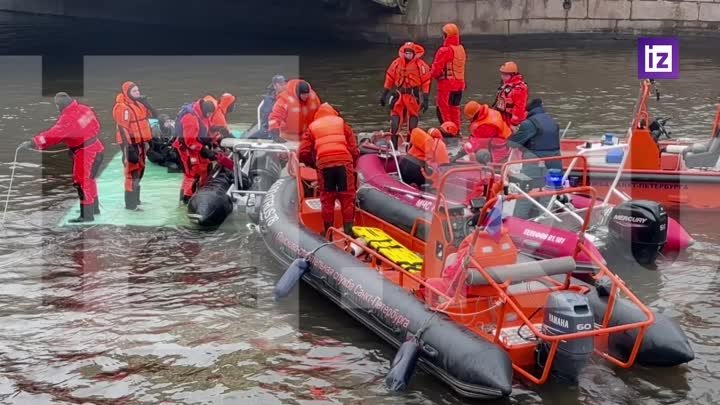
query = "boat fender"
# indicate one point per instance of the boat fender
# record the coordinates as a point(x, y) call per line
point(290, 278)
point(403, 365)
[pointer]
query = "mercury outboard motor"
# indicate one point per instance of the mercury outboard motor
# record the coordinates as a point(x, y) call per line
point(565, 313)
point(264, 170)
point(638, 230)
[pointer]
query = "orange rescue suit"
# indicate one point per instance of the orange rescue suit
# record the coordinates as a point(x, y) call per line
point(409, 78)
point(289, 115)
point(490, 132)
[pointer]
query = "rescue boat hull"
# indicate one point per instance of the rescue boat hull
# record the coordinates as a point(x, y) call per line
point(470, 365)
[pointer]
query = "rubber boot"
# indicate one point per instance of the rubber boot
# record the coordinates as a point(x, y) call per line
point(137, 196)
point(96, 206)
point(86, 214)
point(347, 227)
point(394, 128)
point(326, 226)
point(130, 200)
point(413, 123)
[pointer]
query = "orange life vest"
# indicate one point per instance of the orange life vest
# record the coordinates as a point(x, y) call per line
point(330, 142)
point(409, 74)
point(455, 69)
point(135, 116)
point(299, 114)
point(495, 119)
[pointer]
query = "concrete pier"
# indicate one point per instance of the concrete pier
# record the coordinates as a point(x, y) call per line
point(422, 19)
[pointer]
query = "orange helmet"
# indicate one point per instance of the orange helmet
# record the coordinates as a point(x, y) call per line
point(509, 67)
point(450, 29)
point(449, 128)
point(325, 110)
point(473, 108)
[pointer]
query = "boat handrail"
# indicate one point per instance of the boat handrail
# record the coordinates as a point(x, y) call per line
point(238, 146)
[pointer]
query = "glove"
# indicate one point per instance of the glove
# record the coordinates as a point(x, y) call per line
point(207, 153)
point(131, 154)
point(383, 97)
point(225, 132)
point(275, 136)
point(425, 102)
point(26, 145)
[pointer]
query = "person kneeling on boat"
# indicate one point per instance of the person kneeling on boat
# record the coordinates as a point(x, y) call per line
point(487, 131)
point(329, 146)
point(427, 152)
point(193, 145)
point(78, 128)
point(538, 136)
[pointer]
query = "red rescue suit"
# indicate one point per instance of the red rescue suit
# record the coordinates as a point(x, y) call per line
point(133, 132)
point(192, 139)
point(410, 79)
point(489, 132)
point(511, 100)
point(290, 115)
point(78, 127)
point(329, 146)
point(448, 69)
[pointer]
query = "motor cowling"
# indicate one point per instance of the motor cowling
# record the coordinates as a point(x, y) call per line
point(638, 230)
point(566, 313)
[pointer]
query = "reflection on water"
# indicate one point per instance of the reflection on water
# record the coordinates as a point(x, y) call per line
point(135, 316)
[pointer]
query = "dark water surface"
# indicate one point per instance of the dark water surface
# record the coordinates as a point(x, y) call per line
point(112, 315)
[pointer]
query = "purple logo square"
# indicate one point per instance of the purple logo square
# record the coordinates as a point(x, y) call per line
point(658, 58)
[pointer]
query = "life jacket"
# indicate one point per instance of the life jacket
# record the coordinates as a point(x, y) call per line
point(419, 141)
point(497, 145)
point(504, 98)
point(299, 114)
point(330, 142)
point(455, 69)
point(189, 108)
point(137, 116)
point(413, 74)
point(548, 131)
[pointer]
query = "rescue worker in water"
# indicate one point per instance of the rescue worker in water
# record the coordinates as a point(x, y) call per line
point(512, 95)
point(448, 68)
point(78, 128)
point(329, 146)
point(131, 113)
point(408, 77)
point(193, 141)
point(293, 111)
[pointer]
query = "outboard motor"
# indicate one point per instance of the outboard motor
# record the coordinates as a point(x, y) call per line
point(638, 230)
point(264, 170)
point(565, 313)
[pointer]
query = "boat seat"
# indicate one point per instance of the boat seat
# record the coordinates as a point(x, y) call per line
point(703, 155)
point(523, 271)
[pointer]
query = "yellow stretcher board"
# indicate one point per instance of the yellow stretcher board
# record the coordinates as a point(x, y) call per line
point(390, 248)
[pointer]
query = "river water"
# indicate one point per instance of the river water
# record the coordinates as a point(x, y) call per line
point(116, 315)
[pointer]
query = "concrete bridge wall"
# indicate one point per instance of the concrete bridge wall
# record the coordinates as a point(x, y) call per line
point(363, 19)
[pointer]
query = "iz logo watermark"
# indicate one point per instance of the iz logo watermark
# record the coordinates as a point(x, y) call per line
point(658, 58)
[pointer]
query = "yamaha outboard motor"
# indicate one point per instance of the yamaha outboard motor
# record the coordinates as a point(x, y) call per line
point(264, 170)
point(565, 313)
point(637, 229)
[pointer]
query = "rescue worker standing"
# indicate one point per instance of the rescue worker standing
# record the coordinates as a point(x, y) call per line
point(538, 136)
point(512, 96)
point(192, 130)
point(329, 146)
point(409, 76)
point(448, 69)
point(293, 111)
point(77, 127)
point(131, 113)
point(278, 84)
point(487, 131)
